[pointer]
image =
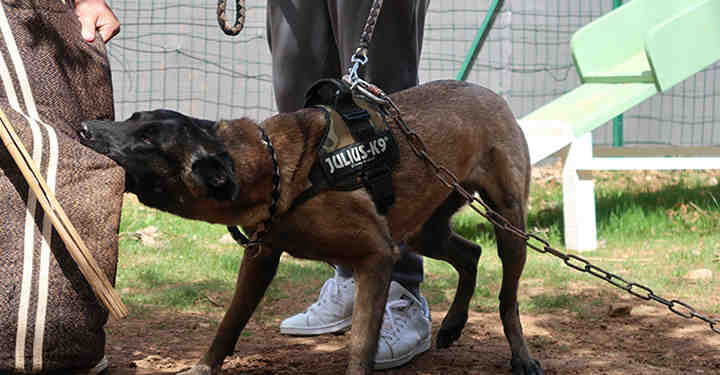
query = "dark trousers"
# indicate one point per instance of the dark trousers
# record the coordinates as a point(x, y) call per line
point(310, 40)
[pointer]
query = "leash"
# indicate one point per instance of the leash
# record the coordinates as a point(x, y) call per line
point(256, 239)
point(360, 57)
point(80, 253)
point(448, 179)
point(239, 17)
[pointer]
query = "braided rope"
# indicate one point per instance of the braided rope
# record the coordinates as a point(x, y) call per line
point(239, 17)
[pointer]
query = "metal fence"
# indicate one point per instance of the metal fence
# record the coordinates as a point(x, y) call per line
point(172, 54)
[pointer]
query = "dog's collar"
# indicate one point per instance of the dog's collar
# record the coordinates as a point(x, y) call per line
point(264, 227)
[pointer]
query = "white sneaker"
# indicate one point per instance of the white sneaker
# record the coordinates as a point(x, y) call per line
point(332, 312)
point(406, 330)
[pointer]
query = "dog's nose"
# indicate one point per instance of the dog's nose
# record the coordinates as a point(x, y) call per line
point(84, 132)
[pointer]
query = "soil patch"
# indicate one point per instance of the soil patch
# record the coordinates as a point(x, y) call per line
point(640, 340)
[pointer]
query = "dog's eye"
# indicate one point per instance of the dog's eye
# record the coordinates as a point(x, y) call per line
point(147, 134)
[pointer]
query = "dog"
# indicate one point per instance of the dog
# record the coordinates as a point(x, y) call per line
point(222, 172)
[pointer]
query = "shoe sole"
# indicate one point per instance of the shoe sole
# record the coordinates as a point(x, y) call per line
point(337, 327)
point(422, 348)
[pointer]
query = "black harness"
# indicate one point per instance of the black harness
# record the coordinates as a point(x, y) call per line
point(358, 149)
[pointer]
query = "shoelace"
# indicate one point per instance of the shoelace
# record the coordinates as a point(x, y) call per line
point(325, 291)
point(395, 304)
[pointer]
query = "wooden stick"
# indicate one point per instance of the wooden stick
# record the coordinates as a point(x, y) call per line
point(87, 265)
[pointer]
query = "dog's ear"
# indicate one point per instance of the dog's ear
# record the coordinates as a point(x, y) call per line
point(204, 124)
point(216, 174)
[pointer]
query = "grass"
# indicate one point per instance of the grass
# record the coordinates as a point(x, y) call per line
point(654, 228)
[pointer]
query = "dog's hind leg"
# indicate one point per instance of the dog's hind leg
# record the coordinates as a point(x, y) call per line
point(256, 273)
point(512, 252)
point(506, 192)
point(438, 241)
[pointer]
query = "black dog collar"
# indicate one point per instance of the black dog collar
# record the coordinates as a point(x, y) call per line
point(235, 232)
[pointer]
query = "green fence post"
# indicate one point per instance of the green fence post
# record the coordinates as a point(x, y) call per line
point(618, 140)
point(480, 39)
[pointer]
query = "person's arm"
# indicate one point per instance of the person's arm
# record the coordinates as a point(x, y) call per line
point(96, 15)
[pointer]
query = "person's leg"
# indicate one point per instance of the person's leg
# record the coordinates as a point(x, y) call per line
point(393, 63)
point(394, 51)
point(303, 49)
point(395, 68)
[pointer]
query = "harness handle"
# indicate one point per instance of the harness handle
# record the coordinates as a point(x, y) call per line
point(239, 17)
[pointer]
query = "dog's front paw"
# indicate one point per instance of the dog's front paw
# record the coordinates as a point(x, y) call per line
point(531, 367)
point(200, 370)
point(446, 337)
point(451, 329)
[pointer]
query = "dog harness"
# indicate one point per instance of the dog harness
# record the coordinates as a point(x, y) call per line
point(357, 150)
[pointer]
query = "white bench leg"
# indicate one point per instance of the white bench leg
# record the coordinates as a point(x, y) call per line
point(579, 198)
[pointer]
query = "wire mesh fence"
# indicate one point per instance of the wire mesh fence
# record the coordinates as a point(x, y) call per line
point(172, 54)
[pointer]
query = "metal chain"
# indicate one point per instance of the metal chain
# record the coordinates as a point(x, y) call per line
point(533, 241)
point(448, 179)
point(239, 17)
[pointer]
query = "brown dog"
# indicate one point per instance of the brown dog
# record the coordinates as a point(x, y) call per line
point(222, 173)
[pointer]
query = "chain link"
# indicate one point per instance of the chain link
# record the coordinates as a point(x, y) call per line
point(533, 241)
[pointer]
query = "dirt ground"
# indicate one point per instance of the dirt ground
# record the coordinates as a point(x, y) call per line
point(628, 338)
point(625, 336)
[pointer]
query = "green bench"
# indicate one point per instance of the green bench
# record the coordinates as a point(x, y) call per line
point(624, 57)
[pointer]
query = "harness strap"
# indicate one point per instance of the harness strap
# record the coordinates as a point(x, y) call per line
point(380, 187)
point(317, 186)
point(358, 121)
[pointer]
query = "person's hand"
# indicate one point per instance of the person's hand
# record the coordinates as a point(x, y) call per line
point(96, 15)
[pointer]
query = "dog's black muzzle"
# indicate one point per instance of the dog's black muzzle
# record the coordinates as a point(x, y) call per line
point(96, 135)
point(91, 134)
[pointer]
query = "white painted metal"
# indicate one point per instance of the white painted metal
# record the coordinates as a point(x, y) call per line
point(579, 197)
point(578, 187)
point(545, 137)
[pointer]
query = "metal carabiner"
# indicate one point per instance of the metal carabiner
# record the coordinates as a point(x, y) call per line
point(358, 59)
